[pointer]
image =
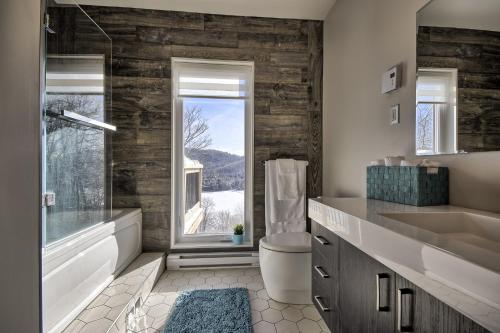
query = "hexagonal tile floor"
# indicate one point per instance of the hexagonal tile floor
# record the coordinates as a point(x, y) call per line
point(268, 316)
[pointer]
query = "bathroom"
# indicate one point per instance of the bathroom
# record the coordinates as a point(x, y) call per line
point(307, 125)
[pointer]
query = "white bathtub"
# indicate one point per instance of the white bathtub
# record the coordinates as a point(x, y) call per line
point(76, 269)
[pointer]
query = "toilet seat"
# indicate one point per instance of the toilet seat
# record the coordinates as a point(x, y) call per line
point(291, 242)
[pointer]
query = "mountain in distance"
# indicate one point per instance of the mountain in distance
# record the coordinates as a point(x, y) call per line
point(222, 171)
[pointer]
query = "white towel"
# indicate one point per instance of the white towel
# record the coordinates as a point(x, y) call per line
point(285, 215)
point(287, 179)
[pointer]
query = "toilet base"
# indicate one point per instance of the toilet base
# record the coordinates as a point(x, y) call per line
point(287, 276)
point(291, 296)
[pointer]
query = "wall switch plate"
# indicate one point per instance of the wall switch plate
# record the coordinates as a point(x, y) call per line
point(395, 114)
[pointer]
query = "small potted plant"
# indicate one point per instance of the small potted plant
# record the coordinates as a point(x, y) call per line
point(238, 234)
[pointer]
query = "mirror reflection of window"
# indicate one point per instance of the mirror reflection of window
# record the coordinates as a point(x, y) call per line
point(461, 34)
point(436, 113)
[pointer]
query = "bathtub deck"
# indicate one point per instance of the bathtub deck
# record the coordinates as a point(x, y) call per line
point(268, 316)
point(108, 311)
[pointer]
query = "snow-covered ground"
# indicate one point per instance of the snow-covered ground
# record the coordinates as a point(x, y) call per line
point(226, 200)
point(227, 211)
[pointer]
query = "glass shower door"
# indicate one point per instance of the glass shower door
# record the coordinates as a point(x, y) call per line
point(77, 134)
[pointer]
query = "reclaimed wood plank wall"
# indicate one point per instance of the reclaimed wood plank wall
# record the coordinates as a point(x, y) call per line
point(288, 56)
point(476, 55)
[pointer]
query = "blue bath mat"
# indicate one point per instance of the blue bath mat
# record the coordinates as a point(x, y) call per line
point(211, 311)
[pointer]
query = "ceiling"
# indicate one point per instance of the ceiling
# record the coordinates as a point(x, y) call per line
point(297, 9)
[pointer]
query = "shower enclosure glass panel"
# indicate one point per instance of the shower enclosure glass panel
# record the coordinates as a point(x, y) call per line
point(77, 133)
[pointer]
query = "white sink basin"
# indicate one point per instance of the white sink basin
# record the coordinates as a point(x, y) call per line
point(478, 230)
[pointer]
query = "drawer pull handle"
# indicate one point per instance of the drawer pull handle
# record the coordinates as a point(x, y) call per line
point(321, 240)
point(321, 272)
point(378, 277)
point(320, 304)
point(402, 293)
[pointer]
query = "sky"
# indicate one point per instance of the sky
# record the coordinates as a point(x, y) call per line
point(226, 122)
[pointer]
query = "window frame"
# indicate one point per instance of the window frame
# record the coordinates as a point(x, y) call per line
point(177, 238)
point(451, 106)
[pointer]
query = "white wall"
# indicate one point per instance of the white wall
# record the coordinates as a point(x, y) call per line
point(19, 166)
point(363, 38)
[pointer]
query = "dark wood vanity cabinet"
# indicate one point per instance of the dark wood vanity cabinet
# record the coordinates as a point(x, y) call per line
point(354, 293)
point(423, 313)
point(366, 301)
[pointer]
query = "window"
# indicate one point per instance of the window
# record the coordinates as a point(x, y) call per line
point(212, 177)
point(436, 111)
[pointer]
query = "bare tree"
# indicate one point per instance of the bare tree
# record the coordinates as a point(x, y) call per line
point(425, 118)
point(75, 166)
point(207, 204)
point(195, 129)
point(223, 220)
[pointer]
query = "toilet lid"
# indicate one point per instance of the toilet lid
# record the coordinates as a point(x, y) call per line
point(297, 242)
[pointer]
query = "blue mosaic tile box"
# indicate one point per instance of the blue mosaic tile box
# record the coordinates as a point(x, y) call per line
point(408, 185)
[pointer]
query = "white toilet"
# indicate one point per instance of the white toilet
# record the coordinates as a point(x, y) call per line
point(285, 252)
point(285, 264)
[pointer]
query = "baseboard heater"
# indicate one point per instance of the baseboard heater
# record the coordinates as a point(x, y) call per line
point(212, 260)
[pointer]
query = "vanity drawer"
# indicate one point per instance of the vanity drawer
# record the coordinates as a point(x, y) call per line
point(322, 268)
point(325, 274)
point(324, 242)
point(322, 299)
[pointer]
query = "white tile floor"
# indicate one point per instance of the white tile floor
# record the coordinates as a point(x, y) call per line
point(267, 315)
point(107, 312)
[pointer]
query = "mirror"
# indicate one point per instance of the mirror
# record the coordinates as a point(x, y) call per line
point(458, 77)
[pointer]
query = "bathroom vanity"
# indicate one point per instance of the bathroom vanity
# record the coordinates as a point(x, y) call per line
point(385, 267)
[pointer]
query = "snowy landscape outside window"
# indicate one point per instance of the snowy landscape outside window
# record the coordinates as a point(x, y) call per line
point(213, 149)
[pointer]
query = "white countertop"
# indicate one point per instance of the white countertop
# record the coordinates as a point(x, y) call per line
point(459, 273)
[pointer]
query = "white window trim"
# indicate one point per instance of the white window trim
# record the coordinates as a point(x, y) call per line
point(452, 101)
point(177, 154)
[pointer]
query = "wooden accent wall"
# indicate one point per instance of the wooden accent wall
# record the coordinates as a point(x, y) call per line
point(476, 55)
point(288, 56)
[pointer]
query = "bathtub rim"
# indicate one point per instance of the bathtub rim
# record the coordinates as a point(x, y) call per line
point(60, 251)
